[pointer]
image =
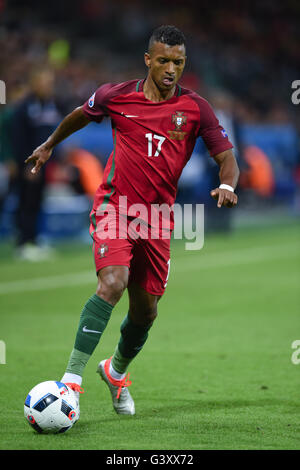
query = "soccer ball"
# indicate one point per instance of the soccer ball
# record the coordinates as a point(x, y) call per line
point(51, 407)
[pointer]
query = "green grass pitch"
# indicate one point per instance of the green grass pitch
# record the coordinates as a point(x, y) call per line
point(216, 372)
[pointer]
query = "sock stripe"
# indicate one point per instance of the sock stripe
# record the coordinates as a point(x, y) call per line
point(97, 304)
point(77, 362)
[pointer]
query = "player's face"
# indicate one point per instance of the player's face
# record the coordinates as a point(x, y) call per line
point(166, 64)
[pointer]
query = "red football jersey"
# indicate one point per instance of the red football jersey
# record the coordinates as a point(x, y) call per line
point(152, 141)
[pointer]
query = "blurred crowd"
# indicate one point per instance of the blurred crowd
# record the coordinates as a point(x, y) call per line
point(248, 48)
point(242, 57)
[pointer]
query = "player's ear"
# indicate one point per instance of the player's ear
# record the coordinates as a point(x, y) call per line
point(147, 59)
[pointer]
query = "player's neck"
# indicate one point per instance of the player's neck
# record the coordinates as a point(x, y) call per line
point(153, 93)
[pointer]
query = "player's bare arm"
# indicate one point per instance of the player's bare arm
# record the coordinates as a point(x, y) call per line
point(71, 123)
point(229, 175)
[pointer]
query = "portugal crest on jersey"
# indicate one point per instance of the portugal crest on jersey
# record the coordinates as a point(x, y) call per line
point(179, 119)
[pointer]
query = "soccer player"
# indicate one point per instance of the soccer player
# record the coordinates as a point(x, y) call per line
point(155, 123)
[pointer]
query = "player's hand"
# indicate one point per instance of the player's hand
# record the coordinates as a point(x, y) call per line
point(225, 198)
point(39, 157)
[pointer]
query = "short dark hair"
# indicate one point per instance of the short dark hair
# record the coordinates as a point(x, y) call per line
point(167, 34)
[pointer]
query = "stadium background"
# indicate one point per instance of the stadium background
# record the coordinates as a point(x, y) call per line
point(243, 58)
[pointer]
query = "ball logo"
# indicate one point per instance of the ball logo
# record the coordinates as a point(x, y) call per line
point(72, 415)
point(92, 100)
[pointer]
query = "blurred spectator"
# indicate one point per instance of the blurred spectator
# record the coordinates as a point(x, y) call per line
point(7, 164)
point(77, 168)
point(259, 175)
point(35, 118)
point(249, 49)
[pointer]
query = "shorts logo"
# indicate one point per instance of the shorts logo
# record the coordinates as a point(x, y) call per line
point(103, 250)
point(92, 100)
point(178, 119)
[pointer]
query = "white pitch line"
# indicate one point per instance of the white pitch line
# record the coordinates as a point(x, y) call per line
point(49, 282)
point(180, 265)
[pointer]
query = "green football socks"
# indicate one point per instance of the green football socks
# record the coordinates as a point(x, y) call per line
point(133, 338)
point(93, 320)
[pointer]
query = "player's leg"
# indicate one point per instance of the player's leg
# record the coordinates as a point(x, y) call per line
point(112, 260)
point(148, 279)
point(148, 276)
point(134, 328)
point(134, 333)
point(112, 281)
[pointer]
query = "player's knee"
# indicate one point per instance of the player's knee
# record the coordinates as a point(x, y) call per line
point(150, 316)
point(145, 315)
point(111, 287)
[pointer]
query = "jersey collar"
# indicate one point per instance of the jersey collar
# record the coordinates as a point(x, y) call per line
point(140, 85)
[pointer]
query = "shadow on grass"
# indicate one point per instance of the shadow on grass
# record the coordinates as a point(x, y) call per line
point(188, 407)
point(206, 406)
